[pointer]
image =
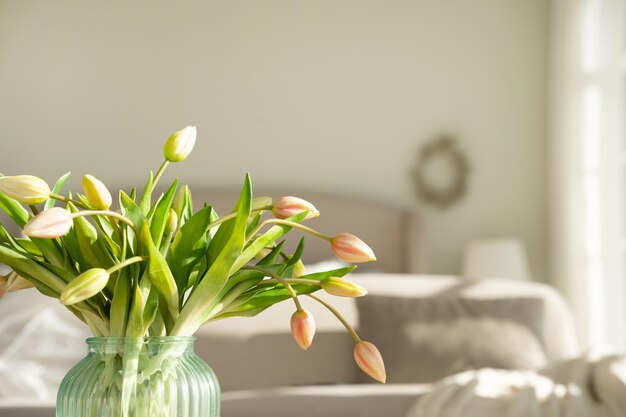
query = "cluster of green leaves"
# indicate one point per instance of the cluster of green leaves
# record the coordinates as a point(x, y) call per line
point(207, 269)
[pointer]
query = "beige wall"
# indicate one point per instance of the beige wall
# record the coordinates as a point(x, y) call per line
point(333, 95)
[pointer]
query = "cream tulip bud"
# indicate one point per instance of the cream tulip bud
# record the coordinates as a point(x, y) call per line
point(350, 248)
point(96, 192)
point(172, 223)
point(370, 361)
point(303, 328)
point(289, 206)
point(54, 222)
point(179, 145)
point(342, 287)
point(84, 286)
point(26, 189)
point(16, 282)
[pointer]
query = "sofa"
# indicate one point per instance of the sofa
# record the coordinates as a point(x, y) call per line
point(426, 327)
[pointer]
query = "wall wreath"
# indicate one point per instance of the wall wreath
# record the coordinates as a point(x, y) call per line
point(441, 172)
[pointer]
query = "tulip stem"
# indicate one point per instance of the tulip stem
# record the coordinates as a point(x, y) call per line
point(280, 279)
point(67, 200)
point(114, 215)
point(302, 281)
point(124, 264)
point(232, 216)
point(290, 224)
point(34, 209)
point(160, 172)
point(343, 321)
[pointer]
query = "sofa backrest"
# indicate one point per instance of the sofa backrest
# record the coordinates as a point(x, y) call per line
point(258, 352)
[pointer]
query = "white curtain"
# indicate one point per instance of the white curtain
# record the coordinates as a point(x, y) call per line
point(586, 164)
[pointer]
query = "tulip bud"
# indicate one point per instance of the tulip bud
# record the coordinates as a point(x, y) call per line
point(350, 248)
point(25, 188)
point(3, 285)
point(96, 192)
point(180, 144)
point(259, 203)
point(342, 288)
point(15, 282)
point(54, 222)
point(84, 286)
point(172, 223)
point(302, 328)
point(370, 361)
point(298, 269)
point(290, 206)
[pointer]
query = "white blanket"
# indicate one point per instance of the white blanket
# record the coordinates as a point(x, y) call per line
point(593, 386)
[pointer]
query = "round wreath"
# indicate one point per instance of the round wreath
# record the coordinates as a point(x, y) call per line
point(443, 147)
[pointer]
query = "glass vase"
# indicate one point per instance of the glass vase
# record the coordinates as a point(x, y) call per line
point(137, 377)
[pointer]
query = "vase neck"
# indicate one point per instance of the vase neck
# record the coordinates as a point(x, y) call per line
point(143, 345)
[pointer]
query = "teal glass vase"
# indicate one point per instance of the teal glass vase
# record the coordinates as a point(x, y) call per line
point(137, 377)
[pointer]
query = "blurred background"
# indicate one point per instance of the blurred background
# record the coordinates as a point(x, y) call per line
point(333, 96)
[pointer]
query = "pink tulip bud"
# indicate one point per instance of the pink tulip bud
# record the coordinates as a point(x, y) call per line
point(370, 361)
point(49, 224)
point(302, 328)
point(342, 287)
point(350, 248)
point(290, 206)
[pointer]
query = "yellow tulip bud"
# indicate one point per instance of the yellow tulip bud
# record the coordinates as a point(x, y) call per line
point(180, 144)
point(303, 328)
point(179, 199)
point(84, 286)
point(298, 269)
point(370, 361)
point(342, 287)
point(54, 222)
point(172, 223)
point(96, 192)
point(26, 189)
point(350, 248)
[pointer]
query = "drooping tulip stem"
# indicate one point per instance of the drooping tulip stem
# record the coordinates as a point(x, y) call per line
point(290, 224)
point(126, 263)
point(160, 171)
point(280, 279)
point(343, 321)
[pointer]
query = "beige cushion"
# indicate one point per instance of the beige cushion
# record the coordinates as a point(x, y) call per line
point(430, 326)
point(425, 339)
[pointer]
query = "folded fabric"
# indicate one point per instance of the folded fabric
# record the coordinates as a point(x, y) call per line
point(39, 344)
point(585, 387)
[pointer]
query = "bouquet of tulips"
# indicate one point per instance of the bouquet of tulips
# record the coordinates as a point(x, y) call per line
point(157, 268)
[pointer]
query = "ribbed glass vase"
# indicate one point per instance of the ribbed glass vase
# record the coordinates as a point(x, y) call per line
point(137, 377)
